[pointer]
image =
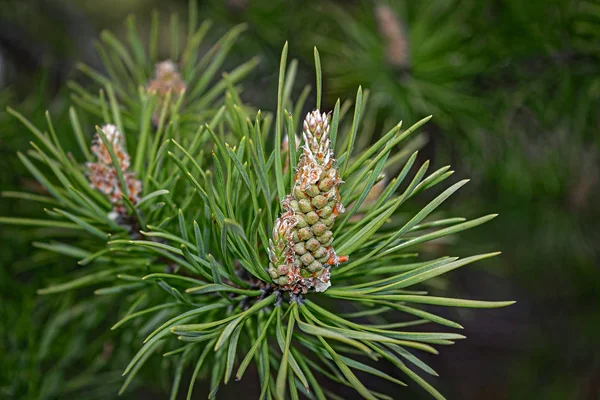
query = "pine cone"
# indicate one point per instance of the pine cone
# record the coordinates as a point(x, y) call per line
point(116, 139)
point(301, 253)
point(167, 80)
point(103, 175)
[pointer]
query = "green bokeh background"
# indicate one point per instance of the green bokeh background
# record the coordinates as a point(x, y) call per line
point(514, 87)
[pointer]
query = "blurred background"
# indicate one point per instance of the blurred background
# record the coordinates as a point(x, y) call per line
point(514, 88)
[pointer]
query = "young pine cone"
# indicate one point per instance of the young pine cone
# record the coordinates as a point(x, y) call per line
point(103, 175)
point(301, 252)
point(167, 80)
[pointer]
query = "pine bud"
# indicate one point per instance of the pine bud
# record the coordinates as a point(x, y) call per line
point(309, 213)
point(394, 34)
point(103, 175)
point(116, 139)
point(167, 80)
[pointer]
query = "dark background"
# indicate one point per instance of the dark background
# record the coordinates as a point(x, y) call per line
point(514, 87)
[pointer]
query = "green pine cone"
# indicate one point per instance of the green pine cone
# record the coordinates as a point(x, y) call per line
point(301, 252)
